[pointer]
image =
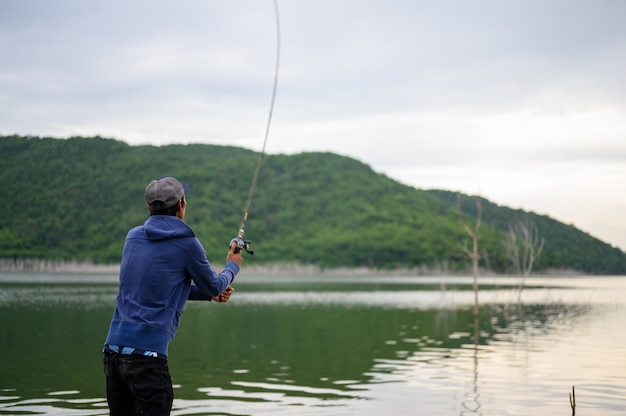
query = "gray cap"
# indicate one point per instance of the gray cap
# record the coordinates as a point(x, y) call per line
point(166, 189)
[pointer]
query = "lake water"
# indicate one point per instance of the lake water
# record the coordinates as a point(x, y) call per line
point(331, 345)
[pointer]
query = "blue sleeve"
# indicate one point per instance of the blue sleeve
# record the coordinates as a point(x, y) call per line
point(205, 276)
point(197, 294)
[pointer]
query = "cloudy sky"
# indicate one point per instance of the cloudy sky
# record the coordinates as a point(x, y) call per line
point(520, 101)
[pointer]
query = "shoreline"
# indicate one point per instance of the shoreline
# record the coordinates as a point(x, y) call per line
point(283, 269)
point(72, 267)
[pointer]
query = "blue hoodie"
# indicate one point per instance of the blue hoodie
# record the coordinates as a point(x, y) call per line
point(159, 262)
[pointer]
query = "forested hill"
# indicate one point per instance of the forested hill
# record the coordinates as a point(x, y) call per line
point(75, 199)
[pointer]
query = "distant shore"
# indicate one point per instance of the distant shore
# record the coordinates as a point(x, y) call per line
point(45, 266)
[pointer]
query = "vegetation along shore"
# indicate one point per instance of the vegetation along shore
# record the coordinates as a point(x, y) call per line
point(76, 198)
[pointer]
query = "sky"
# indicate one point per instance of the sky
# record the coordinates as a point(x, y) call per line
point(522, 102)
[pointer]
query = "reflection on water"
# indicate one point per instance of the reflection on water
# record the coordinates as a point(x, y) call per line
point(333, 346)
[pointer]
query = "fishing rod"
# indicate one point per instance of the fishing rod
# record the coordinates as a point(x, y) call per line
point(241, 243)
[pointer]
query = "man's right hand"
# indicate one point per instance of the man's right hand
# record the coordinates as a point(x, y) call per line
point(234, 256)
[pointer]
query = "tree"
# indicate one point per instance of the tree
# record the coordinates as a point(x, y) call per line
point(473, 253)
point(523, 245)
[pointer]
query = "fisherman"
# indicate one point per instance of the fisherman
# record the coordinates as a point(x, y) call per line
point(163, 266)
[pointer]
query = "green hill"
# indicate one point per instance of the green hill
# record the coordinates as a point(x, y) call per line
point(75, 199)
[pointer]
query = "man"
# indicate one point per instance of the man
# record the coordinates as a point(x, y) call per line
point(163, 265)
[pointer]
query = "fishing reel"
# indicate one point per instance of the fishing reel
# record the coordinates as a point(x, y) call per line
point(241, 245)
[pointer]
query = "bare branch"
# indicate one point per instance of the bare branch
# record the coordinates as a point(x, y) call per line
point(572, 401)
point(523, 245)
point(473, 253)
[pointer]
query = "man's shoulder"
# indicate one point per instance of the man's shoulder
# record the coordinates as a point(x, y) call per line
point(135, 231)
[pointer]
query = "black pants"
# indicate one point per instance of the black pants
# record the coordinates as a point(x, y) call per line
point(138, 385)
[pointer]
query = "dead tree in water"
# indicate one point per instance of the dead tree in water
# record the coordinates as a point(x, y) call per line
point(572, 401)
point(523, 245)
point(473, 252)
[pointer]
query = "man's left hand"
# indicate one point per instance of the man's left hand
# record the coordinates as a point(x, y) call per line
point(225, 295)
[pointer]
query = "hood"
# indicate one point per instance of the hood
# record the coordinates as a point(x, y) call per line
point(166, 227)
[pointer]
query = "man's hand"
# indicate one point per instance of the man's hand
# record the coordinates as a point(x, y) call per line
point(232, 256)
point(225, 295)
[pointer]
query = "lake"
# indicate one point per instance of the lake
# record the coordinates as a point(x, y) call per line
point(333, 345)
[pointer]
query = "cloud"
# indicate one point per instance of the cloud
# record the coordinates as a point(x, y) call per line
point(521, 101)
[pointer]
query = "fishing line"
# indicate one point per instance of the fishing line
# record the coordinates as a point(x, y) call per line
point(241, 243)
